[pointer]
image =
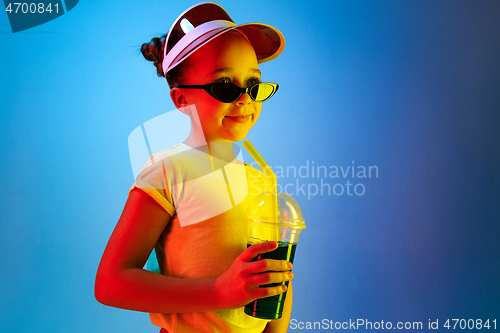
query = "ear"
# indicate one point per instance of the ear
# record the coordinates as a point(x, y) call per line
point(179, 99)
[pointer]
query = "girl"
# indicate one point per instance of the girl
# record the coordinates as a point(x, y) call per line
point(189, 202)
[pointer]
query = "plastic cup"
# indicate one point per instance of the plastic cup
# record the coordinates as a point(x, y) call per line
point(284, 227)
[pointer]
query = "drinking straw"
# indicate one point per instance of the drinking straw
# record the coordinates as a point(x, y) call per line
point(274, 197)
point(268, 172)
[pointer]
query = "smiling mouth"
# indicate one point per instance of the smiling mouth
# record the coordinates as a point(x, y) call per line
point(240, 119)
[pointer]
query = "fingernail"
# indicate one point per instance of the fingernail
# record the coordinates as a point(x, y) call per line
point(290, 275)
point(289, 265)
point(283, 287)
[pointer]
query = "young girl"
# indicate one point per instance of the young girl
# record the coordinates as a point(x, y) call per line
point(189, 202)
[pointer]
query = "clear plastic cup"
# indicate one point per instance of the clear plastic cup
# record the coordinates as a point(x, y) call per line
point(282, 224)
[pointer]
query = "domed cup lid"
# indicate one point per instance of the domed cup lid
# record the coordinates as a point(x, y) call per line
point(288, 210)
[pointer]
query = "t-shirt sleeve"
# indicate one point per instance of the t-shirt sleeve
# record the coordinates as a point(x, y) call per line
point(153, 180)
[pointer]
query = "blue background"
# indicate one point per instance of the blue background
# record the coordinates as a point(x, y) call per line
point(411, 87)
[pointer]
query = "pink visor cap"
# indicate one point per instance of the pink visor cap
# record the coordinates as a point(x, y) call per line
point(203, 22)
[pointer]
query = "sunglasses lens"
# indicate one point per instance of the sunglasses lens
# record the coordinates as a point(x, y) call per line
point(230, 92)
point(262, 91)
point(225, 92)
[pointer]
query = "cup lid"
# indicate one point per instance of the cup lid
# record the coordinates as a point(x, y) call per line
point(288, 210)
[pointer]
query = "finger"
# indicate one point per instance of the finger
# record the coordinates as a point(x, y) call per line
point(254, 250)
point(265, 265)
point(268, 292)
point(267, 278)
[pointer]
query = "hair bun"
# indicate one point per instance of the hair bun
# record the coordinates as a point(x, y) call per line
point(153, 51)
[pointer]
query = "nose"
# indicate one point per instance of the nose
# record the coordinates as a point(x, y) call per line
point(243, 100)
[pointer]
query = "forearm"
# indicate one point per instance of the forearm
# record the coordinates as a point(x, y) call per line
point(121, 281)
point(141, 290)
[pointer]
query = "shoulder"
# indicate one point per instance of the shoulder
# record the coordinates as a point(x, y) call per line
point(160, 167)
point(166, 158)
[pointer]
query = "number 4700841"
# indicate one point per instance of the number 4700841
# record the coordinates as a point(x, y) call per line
point(470, 324)
point(32, 8)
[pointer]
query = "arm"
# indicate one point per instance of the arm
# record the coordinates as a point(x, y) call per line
point(121, 281)
point(281, 325)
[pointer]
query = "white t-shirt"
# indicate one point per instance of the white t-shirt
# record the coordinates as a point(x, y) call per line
point(207, 200)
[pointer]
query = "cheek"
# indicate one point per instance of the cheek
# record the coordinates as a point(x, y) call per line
point(258, 108)
point(207, 108)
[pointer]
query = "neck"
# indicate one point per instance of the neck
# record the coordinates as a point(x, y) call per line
point(222, 150)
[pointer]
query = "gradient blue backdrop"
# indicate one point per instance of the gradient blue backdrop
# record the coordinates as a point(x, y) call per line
point(411, 87)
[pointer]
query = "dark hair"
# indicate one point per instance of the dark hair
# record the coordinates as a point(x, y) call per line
point(153, 51)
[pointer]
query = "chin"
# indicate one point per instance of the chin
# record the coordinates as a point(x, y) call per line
point(234, 138)
point(240, 137)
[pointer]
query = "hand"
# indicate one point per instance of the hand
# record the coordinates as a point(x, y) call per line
point(239, 285)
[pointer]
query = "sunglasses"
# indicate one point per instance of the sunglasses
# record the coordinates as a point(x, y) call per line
point(230, 92)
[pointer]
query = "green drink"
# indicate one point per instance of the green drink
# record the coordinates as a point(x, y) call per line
point(272, 307)
point(285, 228)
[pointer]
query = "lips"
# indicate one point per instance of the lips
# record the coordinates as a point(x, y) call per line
point(240, 119)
